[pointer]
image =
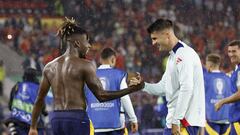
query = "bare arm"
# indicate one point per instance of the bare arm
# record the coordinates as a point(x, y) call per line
point(233, 98)
point(95, 86)
point(39, 103)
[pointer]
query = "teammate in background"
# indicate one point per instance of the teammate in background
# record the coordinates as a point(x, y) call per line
point(217, 86)
point(67, 75)
point(234, 55)
point(182, 83)
point(22, 98)
point(114, 79)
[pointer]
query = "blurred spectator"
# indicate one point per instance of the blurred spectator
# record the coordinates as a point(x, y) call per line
point(2, 76)
point(147, 114)
point(59, 7)
point(122, 24)
point(22, 99)
point(32, 62)
point(161, 110)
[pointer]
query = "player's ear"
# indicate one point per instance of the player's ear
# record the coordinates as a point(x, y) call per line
point(113, 60)
point(100, 60)
point(169, 32)
point(211, 66)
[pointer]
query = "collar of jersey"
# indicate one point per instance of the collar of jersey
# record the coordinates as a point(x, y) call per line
point(104, 66)
point(215, 71)
point(176, 47)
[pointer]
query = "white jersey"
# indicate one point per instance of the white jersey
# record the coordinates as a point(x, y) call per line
point(183, 85)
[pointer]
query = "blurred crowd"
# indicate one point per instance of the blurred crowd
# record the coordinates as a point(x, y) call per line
point(207, 25)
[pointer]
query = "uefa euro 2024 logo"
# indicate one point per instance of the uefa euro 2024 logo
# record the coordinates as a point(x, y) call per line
point(24, 95)
point(219, 84)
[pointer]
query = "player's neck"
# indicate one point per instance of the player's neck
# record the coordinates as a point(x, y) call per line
point(236, 63)
point(72, 51)
point(216, 69)
point(174, 42)
point(105, 62)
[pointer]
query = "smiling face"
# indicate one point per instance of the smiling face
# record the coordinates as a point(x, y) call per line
point(234, 54)
point(160, 39)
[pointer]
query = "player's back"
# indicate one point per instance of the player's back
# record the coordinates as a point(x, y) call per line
point(217, 86)
point(65, 75)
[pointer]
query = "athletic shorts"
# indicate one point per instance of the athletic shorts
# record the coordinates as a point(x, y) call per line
point(71, 122)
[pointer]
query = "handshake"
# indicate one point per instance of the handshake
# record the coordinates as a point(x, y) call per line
point(135, 80)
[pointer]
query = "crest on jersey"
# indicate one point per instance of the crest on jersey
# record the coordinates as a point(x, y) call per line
point(178, 60)
point(24, 95)
point(24, 88)
point(219, 85)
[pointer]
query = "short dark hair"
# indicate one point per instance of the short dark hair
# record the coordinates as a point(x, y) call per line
point(107, 52)
point(234, 43)
point(214, 58)
point(160, 24)
point(30, 75)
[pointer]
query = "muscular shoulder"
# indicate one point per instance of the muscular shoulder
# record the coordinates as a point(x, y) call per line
point(88, 65)
point(49, 65)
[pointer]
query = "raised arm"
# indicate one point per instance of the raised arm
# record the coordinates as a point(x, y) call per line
point(95, 86)
point(231, 99)
point(151, 88)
